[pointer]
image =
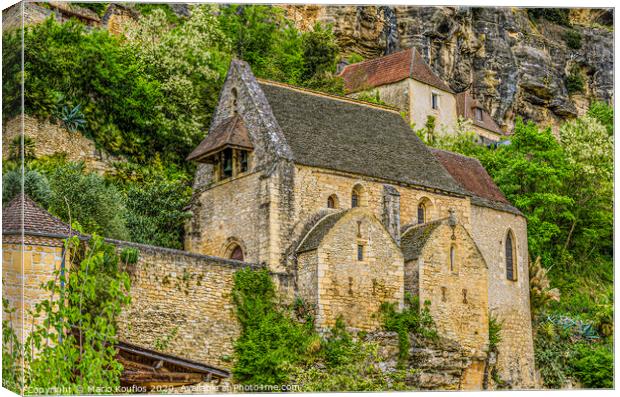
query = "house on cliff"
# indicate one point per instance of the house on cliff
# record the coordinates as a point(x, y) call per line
point(404, 80)
point(342, 197)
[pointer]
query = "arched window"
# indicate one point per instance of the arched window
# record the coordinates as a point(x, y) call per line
point(236, 253)
point(332, 201)
point(510, 257)
point(421, 213)
point(357, 196)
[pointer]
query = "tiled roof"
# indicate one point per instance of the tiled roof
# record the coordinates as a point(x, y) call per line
point(314, 237)
point(231, 132)
point(465, 105)
point(390, 69)
point(36, 219)
point(334, 133)
point(472, 176)
point(415, 238)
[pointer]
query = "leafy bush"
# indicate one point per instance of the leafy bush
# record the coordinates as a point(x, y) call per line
point(495, 333)
point(87, 199)
point(572, 38)
point(411, 319)
point(574, 81)
point(593, 366)
point(372, 97)
point(36, 186)
point(556, 15)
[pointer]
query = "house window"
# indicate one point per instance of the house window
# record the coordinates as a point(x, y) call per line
point(332, 201)
point(510, 257)
point(435, 101)
point(226, 163)
point(360, 252)
point(236, 253)
point(478, 114)
point(421, 213)
point(357, 196)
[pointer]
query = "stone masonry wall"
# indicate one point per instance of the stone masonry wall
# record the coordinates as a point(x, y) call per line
point(40, 258)
point(508, 300)
point(184, 297)
point(355, 288)
point(50, 138)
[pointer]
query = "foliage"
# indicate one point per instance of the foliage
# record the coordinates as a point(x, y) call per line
point(556, 15)
point(412, 319)
point(98, 8)
point(87, 199)
point(604, 114)
point(270, 341)
point(12, 374)
point(73, 119)
point(495, 333)
point(355, 58)
point(594, 366)
point(161, 344)
point(574, 81)
point(129, 255)
point(541, 292)
point(35, 186)
point(572, 39)
point(71, 350)
point(15, 148)
point(372, 97)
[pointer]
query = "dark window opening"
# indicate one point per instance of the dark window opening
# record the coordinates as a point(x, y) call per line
point(509, 258)
point(330, 202)
point(354, 200)
point(226, 164)
point(478, 114)
point(435, 101)
point(452, 257)
point(421, 214)
point(243, 161)
point(237, 253)
point(360, 252)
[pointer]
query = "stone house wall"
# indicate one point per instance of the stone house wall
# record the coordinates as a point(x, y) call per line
point(25, 267)
point(51, 138)
point(347, 286)
point(185, 297)
point(508, 300)
point(421, 108)
point(458, 296)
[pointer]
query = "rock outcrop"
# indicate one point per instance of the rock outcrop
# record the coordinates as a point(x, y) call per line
point(514, 64)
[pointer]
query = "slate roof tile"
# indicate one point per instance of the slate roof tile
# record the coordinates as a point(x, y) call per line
point(465, 105)
point(36, 219)
point(231, 132)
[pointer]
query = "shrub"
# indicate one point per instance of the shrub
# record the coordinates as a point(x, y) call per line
point(372, 97)
point(87, 199)
point(556, 15)
point(36, 186)
point(495, 333)
point(572, 38)
point(593, 366)
point(574, 81)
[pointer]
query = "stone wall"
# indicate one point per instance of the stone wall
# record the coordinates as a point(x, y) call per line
point(51, 138)
point(508, 300)
point(347, 286)
point(420, 107)
point(185, 297)
point(25, 267)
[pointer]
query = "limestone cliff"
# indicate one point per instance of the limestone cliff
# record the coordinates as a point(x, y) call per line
point(516, 65)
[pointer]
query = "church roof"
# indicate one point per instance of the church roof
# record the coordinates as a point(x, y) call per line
point(415, 238)
point(465, 105)
point(390, 69)
point(231, 132)
point(472, 176)
point(316, 234)
point(35, 218)
point(339, 134)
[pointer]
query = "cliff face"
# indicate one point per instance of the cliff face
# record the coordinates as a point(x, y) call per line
point(515, 65)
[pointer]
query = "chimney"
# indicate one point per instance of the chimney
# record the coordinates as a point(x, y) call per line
point(391, 211)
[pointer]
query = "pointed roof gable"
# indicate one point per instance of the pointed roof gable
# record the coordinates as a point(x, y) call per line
point(472, 176)
point(415, 238)
point(35, 218)
point(390, 69)
point(465, 105)
point(231, 132)
point(341, 134)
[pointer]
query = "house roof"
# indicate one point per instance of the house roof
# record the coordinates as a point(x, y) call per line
point(35, 218)
point(320, 230)
point(415, 238)
point(472, 176)
point(231, 132)
point(465, 105)
point(339, 134)
point(390, 69)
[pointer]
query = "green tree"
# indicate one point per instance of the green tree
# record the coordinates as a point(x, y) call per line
point(89, 200)
point(36, 186)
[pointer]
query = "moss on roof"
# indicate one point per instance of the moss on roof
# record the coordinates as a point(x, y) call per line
point(415, 238)
point(318, 232)
point(337, 134)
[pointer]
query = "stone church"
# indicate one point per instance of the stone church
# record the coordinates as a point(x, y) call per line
point(344, 198)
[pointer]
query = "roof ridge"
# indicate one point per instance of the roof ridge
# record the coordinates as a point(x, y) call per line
point(328, 95)
point(421, 225)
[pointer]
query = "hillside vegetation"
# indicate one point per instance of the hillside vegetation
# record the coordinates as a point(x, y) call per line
point(149, 96)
